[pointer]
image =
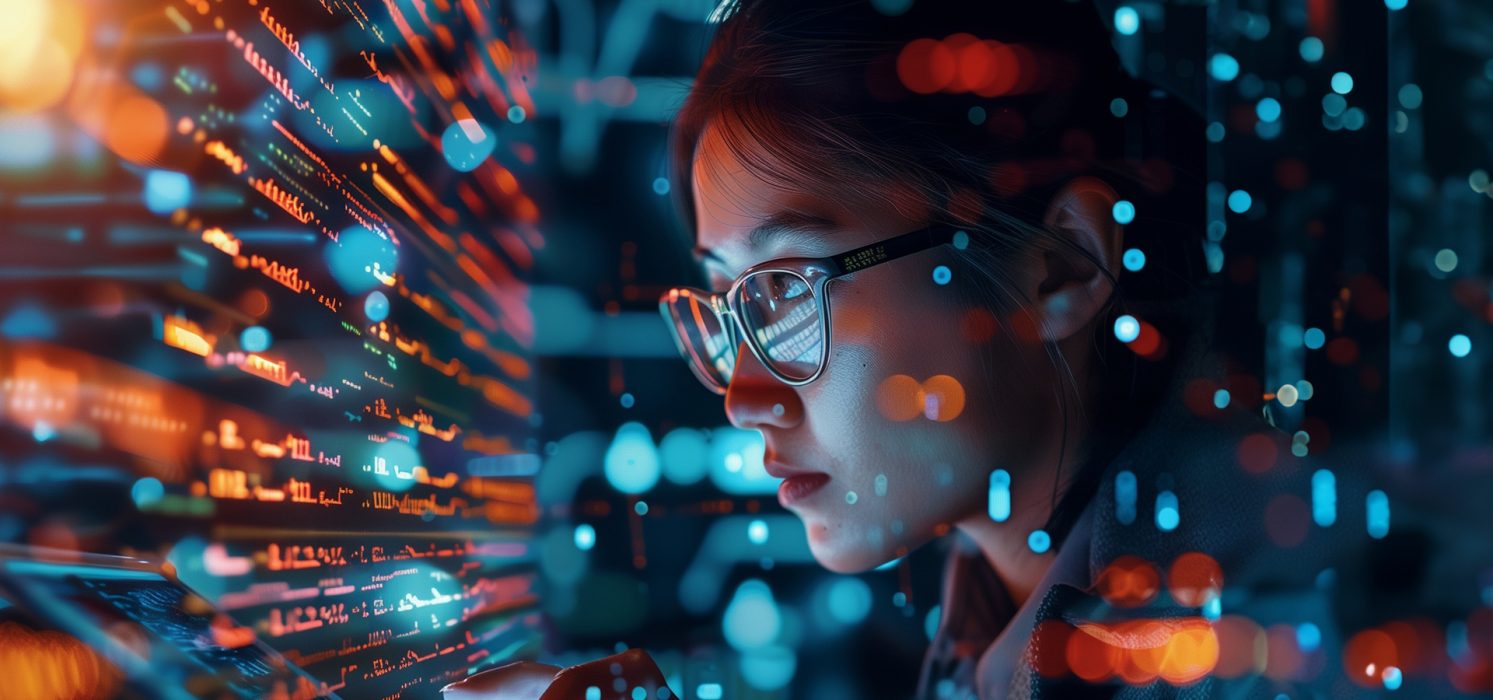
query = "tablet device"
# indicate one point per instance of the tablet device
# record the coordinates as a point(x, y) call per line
point(164, 640)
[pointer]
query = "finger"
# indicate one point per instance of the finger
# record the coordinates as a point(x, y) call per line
point(521, 680)
point(633, 668)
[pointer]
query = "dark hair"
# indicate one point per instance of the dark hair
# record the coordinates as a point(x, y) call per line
point(816, 85)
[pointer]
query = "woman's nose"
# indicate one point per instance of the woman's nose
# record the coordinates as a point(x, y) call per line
point(756, 399)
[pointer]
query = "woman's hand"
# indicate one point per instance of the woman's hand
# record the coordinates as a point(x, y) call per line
point(526, 680)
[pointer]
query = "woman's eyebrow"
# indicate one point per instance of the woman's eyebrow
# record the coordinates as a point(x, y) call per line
point(774, 227)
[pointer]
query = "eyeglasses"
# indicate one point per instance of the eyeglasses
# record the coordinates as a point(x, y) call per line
point(779, 308)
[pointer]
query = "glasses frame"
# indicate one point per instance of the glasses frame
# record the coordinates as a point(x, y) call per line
point(816, 273)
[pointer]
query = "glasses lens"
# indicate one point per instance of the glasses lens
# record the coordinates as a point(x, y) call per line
point(702, 339)
point(779, 310)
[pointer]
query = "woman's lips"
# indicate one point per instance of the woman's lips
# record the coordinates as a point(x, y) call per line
point(800, 486)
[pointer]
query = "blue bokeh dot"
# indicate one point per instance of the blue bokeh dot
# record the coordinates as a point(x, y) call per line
point(942, 275)
point(1123, 211)
point(1460, 345)
point(1127, 20)
point(254, 339)
point(1039, 541)
point(661, 186)
point(1134, 259)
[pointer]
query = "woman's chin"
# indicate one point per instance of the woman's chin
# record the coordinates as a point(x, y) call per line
point(833, 552)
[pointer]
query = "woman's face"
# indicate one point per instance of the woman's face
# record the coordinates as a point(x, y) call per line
point(874, 466)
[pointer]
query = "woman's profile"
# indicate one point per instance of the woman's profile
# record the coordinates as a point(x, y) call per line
point(954, 275)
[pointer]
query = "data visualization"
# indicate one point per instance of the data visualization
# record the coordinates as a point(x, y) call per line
point(264, 315)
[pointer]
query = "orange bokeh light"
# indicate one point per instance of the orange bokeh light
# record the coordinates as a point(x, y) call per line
point(943, 398)
point(900, 398)
point(1129, 582)
point(1367, 654)
point(1194, 579)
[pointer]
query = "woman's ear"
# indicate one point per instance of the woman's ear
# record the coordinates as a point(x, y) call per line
point(1074, 275)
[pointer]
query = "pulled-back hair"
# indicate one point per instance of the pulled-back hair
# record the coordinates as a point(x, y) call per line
point(836, 92)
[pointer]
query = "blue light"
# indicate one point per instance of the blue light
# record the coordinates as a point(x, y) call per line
point(757, 531)
point(1134, 260)
point(961, 240)
point(1223, 67)
point(1167, 515)
point(631, 462)
point(516, 114)
point(639, 693)
point(1119, 107)
point(29, 320)
point(1125, 497)
point(1127, 20)
point(1314, 338)
point(1221, 399)
point(1240, 201)
point(361, 259)
point(942, 275)
point(708, 691)
point(1123, 211)
point(685, 455)
point(1268, 109)
point(1311, 49)
point(1342, 83)
point(848, 600)
point(660, 186)
point(376, 306)
point(1460, 345)
point(1396, 5)
point(627, 399)
point(1127, 328)
point(254, 339)
point(1333, 104)
point(977, 115)
point(1213, 609)
point(466, 143)
point(1215, 132)
point(1392, 675)
point(1411, 96)
point(147, 492)
point(1324, 497)
point(585, 537)
point(167, 191)
point(641, 507)
point(1039, 541)
point(1308, 637)
point(1377, 507)
point(930, 621)
point(1000, 495)
point(593, 693)
point(752, 619)
point(43, 431)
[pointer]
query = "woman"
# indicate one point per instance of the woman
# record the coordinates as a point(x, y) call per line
point(927, 235)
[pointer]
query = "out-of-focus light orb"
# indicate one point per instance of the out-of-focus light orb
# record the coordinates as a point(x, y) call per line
point(1376, 506)
point(1396, 5)
point(516, 114)
point(1308, 636)
point(709, 691)
point(1333, 104)
point(660, 186)
point(1392, 675)
point(1221, 399)
point(1287, 395)
point(631, 462)
point(961, 240)
point(752, 619)
point(977, 115)
point(848, 600)
point(254, 339)
point(1123, 211)
point(930, 621)
point(1460, 345)
point(1240, 201)
point(1479, 180)
point(891, 8)
point(1311, 49)
point(1127, 328)
point(1127, 20)
point(361, 259)
point(1305, 389)
point(585, 537)
point(166, 191)
point(1314, 338)
point(147, 492)
point(1268, 109)
point(1446, 260)
point(1411, 96)
point(1168, 516)
point(1134, 259)
point(1119, 107)
point(641, 507)
point(1223, 67)
point(757, 531)
point(466, 143)
point(1039, 541)
point(1342, 83)
point(942, 275)
point(770, 668)
point(627, 399)
point(1215, 132)
point(376, 306)
point(1354, 119)
point(685, 454)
